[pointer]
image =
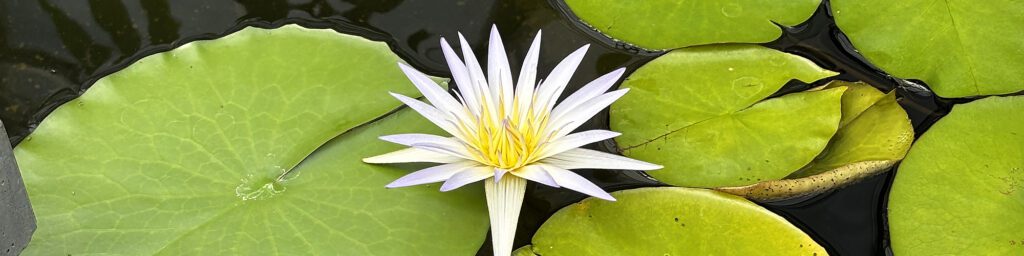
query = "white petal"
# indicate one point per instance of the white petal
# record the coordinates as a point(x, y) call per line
point(409, 139)
point(591, 90)
point(527, 79)
point(476, 74)
point(461, 76)
point(469, 175)
point(498, 173)
point(431, 142)
point(580, 158)
point(536, 174)
point(571, 180)
point(573, 119)
point(413, 155)
point(504, 201)
point(551, 89)
point(498, 73)
point(434, 93)
point(430, 175)
point(576, 140)
point(432, 114)
point(445, 147)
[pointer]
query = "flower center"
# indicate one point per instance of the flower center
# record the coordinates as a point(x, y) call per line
point(511, 142)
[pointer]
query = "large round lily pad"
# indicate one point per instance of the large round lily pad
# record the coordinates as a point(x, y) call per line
point(669, 221)
point(874, 133)
point(701, 112)
point(960, 190)
point(195, 152)
point(959, 47)
point(669, 24)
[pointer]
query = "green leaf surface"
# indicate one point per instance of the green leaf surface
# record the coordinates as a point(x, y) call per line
point(670, 24)
point(524, 251)
point(959, 47)
point(194, 152)
point(670, 221)
point(693, 110)
point(960, 190)
point(858, 97)
point(877, 134)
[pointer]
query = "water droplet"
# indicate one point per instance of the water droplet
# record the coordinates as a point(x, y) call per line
point(262, 185)
point(731, 69)
point(732, 10)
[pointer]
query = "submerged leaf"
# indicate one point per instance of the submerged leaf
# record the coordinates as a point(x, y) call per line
point(669, 221)
point(959, 47)
point(669, 24)
point(961, 189)
point(877, 134)
point(196, 151)
point(701, 113)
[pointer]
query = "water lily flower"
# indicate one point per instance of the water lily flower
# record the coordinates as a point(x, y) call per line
point(507, 134)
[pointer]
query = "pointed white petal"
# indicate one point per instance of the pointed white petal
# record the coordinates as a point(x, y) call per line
point(469, 175)
point(461, 76)
point(591, 90)
point(575, 140)
point(527, 79)
point(434, 93)
point(413, 155)
point(551, 89)
point(433, 174)
point(409, 139)
point(476, 74)
point(504, 201)
point(498, 73)
point(432, 114)
point(498, 173)
point(536, 174)
point(445, 147)
point(571, 180)
point(580, 158)
point(573, 119)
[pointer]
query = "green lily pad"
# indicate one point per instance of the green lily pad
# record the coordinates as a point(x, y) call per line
point(961, 189)
point(524, 251)
point(959, 47)
point(669, 24)
point(874, 134)
point(693, 110)
point(196, 151)
point(669, 221)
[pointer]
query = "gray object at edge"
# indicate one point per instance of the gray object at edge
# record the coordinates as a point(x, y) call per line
point(17, 222)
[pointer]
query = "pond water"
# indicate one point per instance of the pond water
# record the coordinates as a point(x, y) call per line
point(51, 51)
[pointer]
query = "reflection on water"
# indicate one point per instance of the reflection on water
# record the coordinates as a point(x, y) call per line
point(51, 51)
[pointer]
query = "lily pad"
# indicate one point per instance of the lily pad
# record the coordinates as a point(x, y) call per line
point(196, 151)
point(669, 221)
point(874, 134)
point(669, 24)
point(701, 112)
point(961, 189)
point(959, 47)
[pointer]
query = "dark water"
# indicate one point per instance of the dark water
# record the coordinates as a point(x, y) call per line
point(51, 51)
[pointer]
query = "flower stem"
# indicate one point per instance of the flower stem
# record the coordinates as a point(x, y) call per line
point(504, 200)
